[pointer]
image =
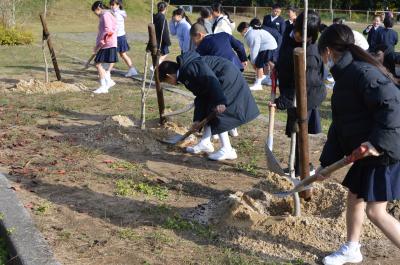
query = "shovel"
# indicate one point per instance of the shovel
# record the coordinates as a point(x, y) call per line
point(272, 163)
point(179, 138)
point(305, 183)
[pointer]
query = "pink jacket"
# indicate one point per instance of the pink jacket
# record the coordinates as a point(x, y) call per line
point(107, 35)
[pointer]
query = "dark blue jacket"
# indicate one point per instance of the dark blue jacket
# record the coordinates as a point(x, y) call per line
point(388, 37)
point(278, 23)
point(278, 37)
point(365, 107)
point(221, 44)
point(372, 37)
point(390, 59)
point(214, 81)
point(288, 28)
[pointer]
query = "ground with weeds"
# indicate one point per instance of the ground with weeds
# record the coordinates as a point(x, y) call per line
point(102, 191)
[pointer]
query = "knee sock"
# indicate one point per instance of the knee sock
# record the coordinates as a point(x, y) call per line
point(225, 142)
point(206, 138)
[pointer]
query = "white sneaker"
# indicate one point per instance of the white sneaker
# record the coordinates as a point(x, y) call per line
point(215, 137)
point(201, 147)
point(267, 81)
point(256, 87)
point(103, 87)
point(233, 133)
point(131, 72)
point(223, 154)
point(109, 82)
point(344, 255)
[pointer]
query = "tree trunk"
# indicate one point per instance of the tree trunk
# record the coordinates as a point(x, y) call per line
point(46, 65)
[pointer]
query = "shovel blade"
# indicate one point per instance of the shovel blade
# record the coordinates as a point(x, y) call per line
point(173, 139)
point(272, 163)
point(296, 189)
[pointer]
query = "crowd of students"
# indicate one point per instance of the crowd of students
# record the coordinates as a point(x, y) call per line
point(365, 101)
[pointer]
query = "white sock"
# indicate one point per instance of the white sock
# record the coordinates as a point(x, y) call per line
point(108, 75)
point(206, 138)
point(103, 82)
point(353, 245)
point(225, 142)
point(258, 81)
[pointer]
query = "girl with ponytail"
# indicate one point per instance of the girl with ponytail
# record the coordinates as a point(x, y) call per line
point(365, 112)
point(180, 26)
point(222, 21)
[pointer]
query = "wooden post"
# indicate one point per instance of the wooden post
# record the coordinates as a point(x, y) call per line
point(155, 55)
point(255, 11)
point(367, 17)
point(301, 98)
point(46, 36)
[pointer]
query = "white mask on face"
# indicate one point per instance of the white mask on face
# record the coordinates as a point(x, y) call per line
point(330, 63)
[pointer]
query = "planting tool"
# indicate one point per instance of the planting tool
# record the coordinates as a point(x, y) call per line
point(272, 163)
point(305, 183)
point(179, 138)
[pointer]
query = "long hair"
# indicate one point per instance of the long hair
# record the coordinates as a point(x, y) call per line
point(118, 2)
point(217, 7)
point(340, 38)
point(313, 25)
point(98, 4)
point(180, 12)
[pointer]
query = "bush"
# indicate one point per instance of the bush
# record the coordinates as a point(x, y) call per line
point(15, 36)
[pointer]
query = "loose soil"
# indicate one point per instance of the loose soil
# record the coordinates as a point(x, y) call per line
point(36, 86)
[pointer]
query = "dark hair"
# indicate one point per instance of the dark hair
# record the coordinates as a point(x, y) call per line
point(197, 28)
point(313, 24)
point(379, 16)
point(161, 6)
point(180, 12)
point(292, 8)
point(276, 6)
point(217, 7)
point(381, 48)
point(255, 23)
point(338, 20)
point(388, 22)
point(98, 4)
point(167, 67)
point(340, 38)
point(322, 27)
point(242, 26)
point(118, 2)
point(205, 12)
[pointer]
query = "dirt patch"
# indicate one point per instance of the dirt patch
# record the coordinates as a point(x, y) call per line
point(34, 86)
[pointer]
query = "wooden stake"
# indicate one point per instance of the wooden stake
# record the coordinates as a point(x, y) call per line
point(155, 55)
point(301, 98)
point(46, 36)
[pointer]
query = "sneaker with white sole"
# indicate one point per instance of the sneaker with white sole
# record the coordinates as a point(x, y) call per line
point(215, 137)
point(234, 132)
point(256, 87)
point(201, 147)
point(110, 83)
point(266, 81)
point(131, 72)
point(103, 89)
point(345, 254)
point(223, 154)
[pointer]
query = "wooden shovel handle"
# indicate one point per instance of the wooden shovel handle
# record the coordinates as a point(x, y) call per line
point(202, 123)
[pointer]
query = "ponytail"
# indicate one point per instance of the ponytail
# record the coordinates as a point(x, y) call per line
point(98, 4)
point(180, 12)
point(255, 23)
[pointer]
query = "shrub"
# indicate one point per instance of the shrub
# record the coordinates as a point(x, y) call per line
point(15, 36)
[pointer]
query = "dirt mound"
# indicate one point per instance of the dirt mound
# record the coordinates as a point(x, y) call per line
point(119, 120)
point(34, 86)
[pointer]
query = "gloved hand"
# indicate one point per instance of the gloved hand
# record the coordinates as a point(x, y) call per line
point(283, 103)
point(292, 125)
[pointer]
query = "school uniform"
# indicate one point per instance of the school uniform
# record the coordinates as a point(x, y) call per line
point(274, 56)
point(222, 44)
point(372, 37)
point(390, 59)
point(122, 42)
point(162, 33)
point(289, 26)
point(260, 43)
point(365, 108)
point(106, 39)
point(214, 81)
point(181, 30)
point(223, 24)
point(387, 36)
point(316, 91)
point(275, 22)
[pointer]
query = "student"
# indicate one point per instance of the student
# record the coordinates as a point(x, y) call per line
point(162, 31)
point(360, 41)
point(372, 32)
point(289, 24)
point(388, 57)
point(387, 35)
point(315, 75)
point(106, 46)
point(205, 19)
point(122, 43)
point(218, 86)
point(222, 21)
point(275, 20)
point(365, 112)
point(180, 26)
point(261, 44)
point(221, 44)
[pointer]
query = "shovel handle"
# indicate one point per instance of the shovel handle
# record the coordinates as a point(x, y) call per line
point(202, 123)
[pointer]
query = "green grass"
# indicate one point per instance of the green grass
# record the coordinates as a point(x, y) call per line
point(128, 234)
point(128, 187)
point(179, 224)
point(3, 252)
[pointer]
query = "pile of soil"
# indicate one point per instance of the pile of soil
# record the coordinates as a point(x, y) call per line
point(34, 86)
point(260, 222)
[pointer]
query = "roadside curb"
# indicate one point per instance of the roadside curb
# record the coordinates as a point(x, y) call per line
point(25, 243)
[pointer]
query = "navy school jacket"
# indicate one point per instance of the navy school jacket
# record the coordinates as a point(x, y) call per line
point(372, 37)
point(391, 58)
point(221, 44)
point(365, 107)
point(387, 36)
point(214, 81)
point(160, 22)
point(278, 23)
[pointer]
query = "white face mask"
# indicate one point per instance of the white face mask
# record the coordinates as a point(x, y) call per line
point(330, 63)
